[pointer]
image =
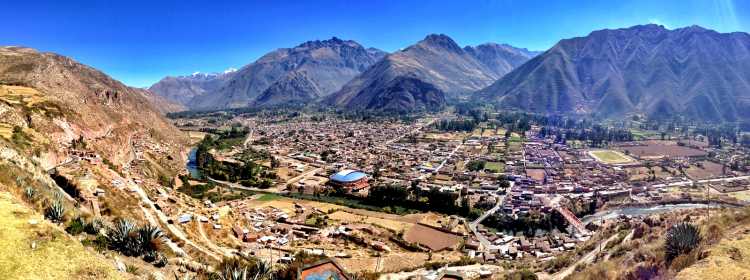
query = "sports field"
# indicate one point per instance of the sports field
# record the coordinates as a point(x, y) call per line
point(610, 157)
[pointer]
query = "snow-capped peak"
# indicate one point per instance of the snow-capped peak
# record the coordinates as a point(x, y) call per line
point(230, 70)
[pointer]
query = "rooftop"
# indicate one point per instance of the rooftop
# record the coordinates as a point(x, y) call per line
point(348, 175)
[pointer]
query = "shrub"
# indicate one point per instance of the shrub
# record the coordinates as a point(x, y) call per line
point(94, 226)
point(681, 239)
point(683, 261)
point(100, 243)
point(76, 226)
point(524, 274)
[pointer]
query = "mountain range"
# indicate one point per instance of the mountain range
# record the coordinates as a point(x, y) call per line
point(439, 64)
point(289, 75)
point(316, 70)
point(691, 72)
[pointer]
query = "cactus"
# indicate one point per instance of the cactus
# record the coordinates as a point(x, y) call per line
point(681, 238)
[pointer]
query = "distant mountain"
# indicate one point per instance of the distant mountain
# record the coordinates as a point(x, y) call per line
point(183, 89)
point(291, 75)
point(692, 72)
point(437, 62)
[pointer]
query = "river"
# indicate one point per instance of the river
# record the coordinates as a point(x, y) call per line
point(192, 165)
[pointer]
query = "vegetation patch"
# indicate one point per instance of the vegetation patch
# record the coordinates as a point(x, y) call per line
point(41, 251)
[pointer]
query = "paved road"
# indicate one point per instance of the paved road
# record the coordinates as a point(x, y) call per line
point(425, 176)
point(587, 258)
point(486, 244)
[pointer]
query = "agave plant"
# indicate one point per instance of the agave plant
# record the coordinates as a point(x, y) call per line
point(262, 271)
point(234, 273)
point(55, 211)
point(121, 236)
point(149, 237)
point(681, 238)
point(30, 193)
point(232, 269)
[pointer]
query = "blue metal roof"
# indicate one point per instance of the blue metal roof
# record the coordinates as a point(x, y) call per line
point(346, 176)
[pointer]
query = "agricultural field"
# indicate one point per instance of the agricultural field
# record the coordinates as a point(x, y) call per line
point(21, 95)
point(705, 171)
point(431, 238)
point(740, 195)
point(610, 157)
point(488, 132)
point(655, 150)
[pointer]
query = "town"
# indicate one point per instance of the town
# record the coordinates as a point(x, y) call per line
point(390, 196)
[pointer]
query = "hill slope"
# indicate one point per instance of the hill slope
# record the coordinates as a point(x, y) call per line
point(438, 61)
point(59, 100)
point(694, 72)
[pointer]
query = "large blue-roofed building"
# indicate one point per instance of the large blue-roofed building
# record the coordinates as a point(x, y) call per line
point(350, 179)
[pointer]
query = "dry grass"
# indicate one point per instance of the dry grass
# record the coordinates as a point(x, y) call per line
point(56, 256)
point(355, 218)
point(6, 131)
point(21, 95)
point(741, 195)
point(730, 259)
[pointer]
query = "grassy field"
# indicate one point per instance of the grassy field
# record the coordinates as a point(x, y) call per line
point(268, 197)
point(56, 255)
point(496, 167)
point(610, 157)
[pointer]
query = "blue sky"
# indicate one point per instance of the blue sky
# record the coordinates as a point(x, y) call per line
point(139, 42)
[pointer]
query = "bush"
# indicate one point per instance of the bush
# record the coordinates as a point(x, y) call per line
point(100, 243)
point(681, 239)
point(524, 274)
point(76, 226)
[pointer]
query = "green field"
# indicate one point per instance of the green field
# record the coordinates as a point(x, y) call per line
point(268, 197)
point(495, 167)
point(610, 157)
